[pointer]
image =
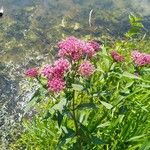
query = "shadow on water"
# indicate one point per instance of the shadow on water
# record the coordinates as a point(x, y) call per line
point(30, 30)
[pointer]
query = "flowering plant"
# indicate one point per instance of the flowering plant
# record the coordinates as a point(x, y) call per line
point(88, 92)
point(74, 54)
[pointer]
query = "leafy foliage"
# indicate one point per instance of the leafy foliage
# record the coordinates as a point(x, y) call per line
point(136, 26)
point(109, 110)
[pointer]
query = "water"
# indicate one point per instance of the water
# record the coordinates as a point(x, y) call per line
point(30, 29)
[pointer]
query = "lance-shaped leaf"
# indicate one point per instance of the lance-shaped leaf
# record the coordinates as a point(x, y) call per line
point(107, 105)
point(77, 87)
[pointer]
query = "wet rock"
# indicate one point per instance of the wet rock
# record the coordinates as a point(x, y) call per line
point(8, 89)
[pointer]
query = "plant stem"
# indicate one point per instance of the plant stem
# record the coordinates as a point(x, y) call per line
point(76, 122)
point(46, 88)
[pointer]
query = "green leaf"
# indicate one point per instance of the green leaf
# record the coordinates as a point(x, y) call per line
point(97, 141)
point(43, 80)
point(129, 84)
point(36, 94)
point(107, 105)
point(99, 69)
point(133, 31)
point(68, 134)
point(135, 138)
point(144, 85)
point(104, 125)
point(31, 104)
point(59, 118)
point(145, 145)
point(46, 115)
point(131, 76)
point(59, 107)
point(146, 69)
point(33, 100)
point(105, 57)
point(138, 24)
point(77, 87)
point(87, 105)
point(83, 117)
point(133, 19)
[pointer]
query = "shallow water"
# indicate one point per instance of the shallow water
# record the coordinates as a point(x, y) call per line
point(30, 30)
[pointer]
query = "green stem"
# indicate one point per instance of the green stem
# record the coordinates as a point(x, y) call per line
point(45, 87)
point(76, 122)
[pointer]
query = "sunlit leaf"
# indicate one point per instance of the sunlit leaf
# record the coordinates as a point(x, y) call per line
point(77, 87)
point(135, 138)
point(107, 105)
point(129, 75)
point(103, 125)
point(58, 107)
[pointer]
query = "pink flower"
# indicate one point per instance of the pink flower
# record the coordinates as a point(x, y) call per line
point(117, 57)
point(32, 72)
point(95, 45)
point(60, 67)
point(52, 71)
point(63, 64)
point(63, 52)
point(86, 69)
point(56, 85)
point(76, 48)
point(70, 47)
point(47, 71)
point(88, 49)
point(57, 70)
point(140, 59)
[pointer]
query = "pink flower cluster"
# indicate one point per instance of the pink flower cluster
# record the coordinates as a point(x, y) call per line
point(55, 74)
point(76, 48)
point(95, 45)
point(56, 85)
point(116, 56)
point(32, 72)
point(86, 69)
point(69, 49)
point(140, 59)
point(57, 70)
